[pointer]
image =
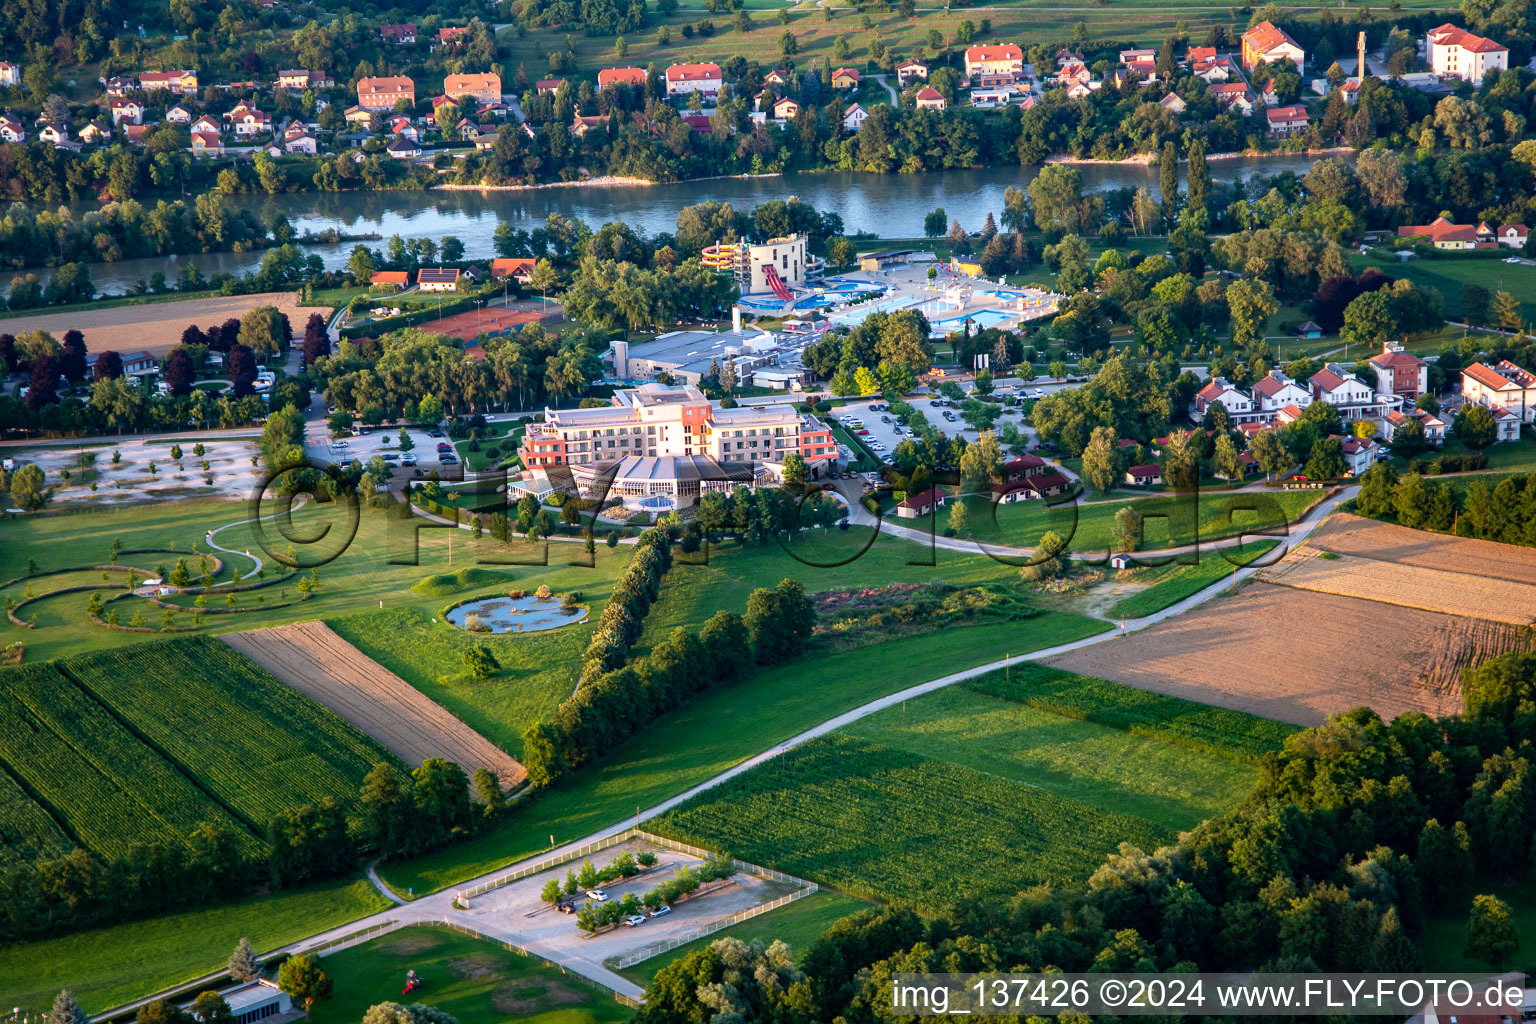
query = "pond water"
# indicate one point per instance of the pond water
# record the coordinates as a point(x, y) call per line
point(504, 614)
point(890, 205)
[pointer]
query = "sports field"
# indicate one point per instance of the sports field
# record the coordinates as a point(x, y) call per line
point(976, 792)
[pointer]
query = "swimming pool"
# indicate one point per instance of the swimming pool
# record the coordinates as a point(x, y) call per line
point(982, 318)
point(858, 314)
point(1008, 296)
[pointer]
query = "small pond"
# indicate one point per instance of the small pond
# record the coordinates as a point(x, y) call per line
point(527, 614)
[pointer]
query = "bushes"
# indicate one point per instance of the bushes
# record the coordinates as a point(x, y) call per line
point(1466, 463)
point(624, 617)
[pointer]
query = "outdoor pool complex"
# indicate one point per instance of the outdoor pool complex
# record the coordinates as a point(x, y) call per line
point(982, 318)
point(1007, 296)
point(506, 614)
point(656, 503)
point(834, 293)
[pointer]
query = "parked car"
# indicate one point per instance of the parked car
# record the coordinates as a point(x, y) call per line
point(597, 895)
point(435, 433)
point(885, 419)
point(663, 909)
point(407, 459)
point(634, 919)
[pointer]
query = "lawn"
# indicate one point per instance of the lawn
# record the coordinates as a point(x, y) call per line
point(721, 728)
point(798, 924)
point(111, 966)
point(1176, 582)
point(472, 979)
point(1172, 520)
point(962, 793)
point(1445, 933)
point(1450, 273)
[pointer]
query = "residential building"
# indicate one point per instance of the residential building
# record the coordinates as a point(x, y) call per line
point(135, 364)
point(1041, 485)
point(685, 78)
point(1275, 391)
point(449, 34)
point(437, 279)
point(1074, 72)
point(610, 77)
point(298, 81)
point(1457, 53)
point(396, 279)
point(1359, 454)
point(207, 123)
point(1287, 120)
point(130, 111)
point(518, 268)
point(248, 121)
point(929, 98)
point(403, 149)
point(135, 134)
point(400, 35)
point(179, 115)
point(207, 144)
point(547, 85)
point(54, 133)
point(10, 74)
point(1213, 70)
point(1506, 424)
point(1512, 236)
point(998, 59)
point(776, 77)
point(1501, 386)
point(1267, 42)
point(1400, 373)
point(1434, 427)
point(1353, 397)
point(1172, 103)
point(1144, 476)
point(384, 93)
point(1137, 56)
point(670, 440)
point(95, 132)
point(922, 503)
point(180, 83)
point(484, 87)
point(1233, 96)
point(785, 108)
point(909, 71)
point(581, 125)
point(302, 143)
point(853, 117)
point(1443, 234)
point(1239, 406)
point(845, 78)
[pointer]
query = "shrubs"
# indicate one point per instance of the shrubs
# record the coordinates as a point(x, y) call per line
point(1466, 463)
point(624, 618)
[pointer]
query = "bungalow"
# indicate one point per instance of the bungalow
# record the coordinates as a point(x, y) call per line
point(548, 85)
point(686, 78)
point(135, 364)
point(610, 77)
point(581, 125)
point(400, 35)
point(845, 78)
point(929, 98)
point(1268, 43)
point(135, 134)
point(1144, 476)
point(853, 117)
point(1399, 373)
point(390, 279)
point(785, 109)
point(1359, 454)
point(179, 115)
point(95, 132)
point(127, 110)
point(485, 87)
point(403, 149)
point(207, 124)
point(1501, 386)
point(920, 504)
point(991, 97)
point(1275, 391)
point(304, 143)
point(207, 144)
point(1137, 56)
point(1172, 103)
point(1287, 120)
point(518, 268)
point(1024, 466)
point(910, 70)
point(1042, 486)
point(1442, 234)
point(437, 279)
point(12, 131)
point(1001, 59)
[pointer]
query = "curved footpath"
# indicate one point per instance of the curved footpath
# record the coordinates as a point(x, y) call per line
point(438, 906)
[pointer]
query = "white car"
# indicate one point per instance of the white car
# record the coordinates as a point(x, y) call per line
point(634, 919)
point(597, 895)
point(1037, 393)
point(663, 909)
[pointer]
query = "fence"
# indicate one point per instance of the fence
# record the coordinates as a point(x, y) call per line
point(356, 938)
point(693, 935)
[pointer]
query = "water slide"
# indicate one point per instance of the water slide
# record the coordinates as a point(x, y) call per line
point(776, 284)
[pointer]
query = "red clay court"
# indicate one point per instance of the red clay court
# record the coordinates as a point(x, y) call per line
point(466, 326)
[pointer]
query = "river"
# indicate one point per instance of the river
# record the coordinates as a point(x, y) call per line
point(890, 205)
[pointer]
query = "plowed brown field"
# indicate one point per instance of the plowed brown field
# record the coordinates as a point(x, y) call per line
point(1412, 586)
point(312, 659)
point(155, 327)
point(1345, 534)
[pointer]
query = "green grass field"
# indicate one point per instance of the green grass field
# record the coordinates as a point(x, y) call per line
point(965, 793)
point(1172, 584)
point(475, 980)
point(1444, 938)
point(720, 728)
point(1448, 274)
point(111, 966)
point(799, 924)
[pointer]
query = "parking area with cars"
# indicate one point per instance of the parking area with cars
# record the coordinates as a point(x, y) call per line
point(883, 430)
point(430, 450)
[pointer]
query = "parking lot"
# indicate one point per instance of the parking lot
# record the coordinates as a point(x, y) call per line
point(883, 430)
point(517, 911)
point(385, 441)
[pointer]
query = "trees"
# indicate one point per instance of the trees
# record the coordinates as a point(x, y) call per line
point(480, 662)
point(243, 965)
point(1491, 935)
point(1102, 463)
point(934, 223)
point(982, 461)
point(1048, 561)
point(66, 1010)
point(779, 621)
point(1225, 459)
point(1326, 460)
point(1058, 201)
point(302, 978)
point(1270, 453)
point(27, 490)
point(1251, 303)
point(1505, 309)
point(261, 331)
point(1408, 438)
point(1475, 426)
point(1128, 528)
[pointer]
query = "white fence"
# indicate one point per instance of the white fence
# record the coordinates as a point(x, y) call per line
point(465, 895)
point(348, 941)
point(694, 934)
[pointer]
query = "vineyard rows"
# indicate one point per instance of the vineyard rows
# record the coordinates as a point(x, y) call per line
point(258, 745)
point(891, 825)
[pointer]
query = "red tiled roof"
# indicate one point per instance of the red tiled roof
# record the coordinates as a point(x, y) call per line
point(390, 277)
point(693, 72)
point(1265, 36)
point(1297, 113)
point(928, 92)
point(1153, 470)
point(1022, 462)
point(922, 498)
point(1269, 386)
point(1326, 379)
point(1451, 35)
point(620, 76)
point(1005, 51)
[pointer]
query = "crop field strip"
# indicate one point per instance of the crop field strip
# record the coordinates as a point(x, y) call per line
point(312, 659)
point(1345, 534)
point(108, 787)
point(28, 833)
point(259, 746)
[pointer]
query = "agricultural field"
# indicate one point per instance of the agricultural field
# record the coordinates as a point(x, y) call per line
point(155, 327)
point(474, 980)
point(966, 793)
point(1168, 585)
point(316, 662)
point(258, 746)
point(109, 789)
point(1386, 657)
point(1359, 537)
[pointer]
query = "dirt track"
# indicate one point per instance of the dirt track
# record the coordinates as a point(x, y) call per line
point(156, 327)
point(321, 665)
point(1299, 656)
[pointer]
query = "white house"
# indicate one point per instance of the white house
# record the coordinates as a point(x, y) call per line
point(12, 131)
point(1359, 454)
point(1457, 53)
point(1353, 397)
point(1276, 391)
point(1501, 386)
point(853, 117)
point(1507, 424)
point(920, 504)
point(179, 115)
point(127, 110)
point(1434, 427)
point(1238, 405)
point(685, 78)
